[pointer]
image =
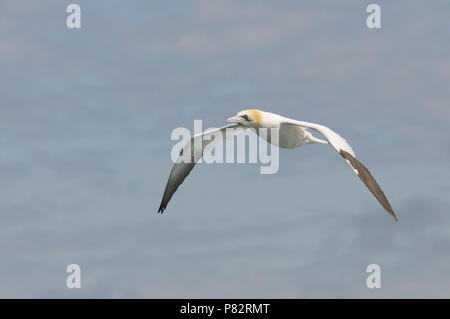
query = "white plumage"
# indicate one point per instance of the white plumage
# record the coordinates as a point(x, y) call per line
point(292, 134)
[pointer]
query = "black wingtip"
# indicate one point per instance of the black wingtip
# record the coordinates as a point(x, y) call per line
point(161, 209)
point(367, 178)
point(395, 217)
point(390, 210)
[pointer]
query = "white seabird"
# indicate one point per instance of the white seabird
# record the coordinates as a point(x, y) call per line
point(292, 134)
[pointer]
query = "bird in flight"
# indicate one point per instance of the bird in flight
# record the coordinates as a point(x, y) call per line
point(292, 134)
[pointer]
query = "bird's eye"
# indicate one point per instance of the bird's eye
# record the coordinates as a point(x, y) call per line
point(245, 117)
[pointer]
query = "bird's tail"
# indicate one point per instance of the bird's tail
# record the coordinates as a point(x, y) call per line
point(314, 139)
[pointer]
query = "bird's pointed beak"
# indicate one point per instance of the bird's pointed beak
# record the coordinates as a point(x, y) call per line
point(236, 119)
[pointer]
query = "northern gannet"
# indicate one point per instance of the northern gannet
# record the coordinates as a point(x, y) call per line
point(292, 134)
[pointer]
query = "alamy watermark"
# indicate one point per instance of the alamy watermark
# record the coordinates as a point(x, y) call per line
point(373, 21)
point(374, 279)
point(73, 280)
point(208, 147)
point(73, 21)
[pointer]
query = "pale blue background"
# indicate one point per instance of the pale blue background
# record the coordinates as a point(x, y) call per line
point(85, 123)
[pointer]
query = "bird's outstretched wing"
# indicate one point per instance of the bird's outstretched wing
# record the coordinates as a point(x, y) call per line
point(191, 153)
point(343, 148)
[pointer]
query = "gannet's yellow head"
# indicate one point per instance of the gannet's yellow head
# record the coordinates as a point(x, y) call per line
point(249, 118)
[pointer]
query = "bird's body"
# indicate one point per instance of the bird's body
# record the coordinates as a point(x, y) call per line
point(291, 134)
